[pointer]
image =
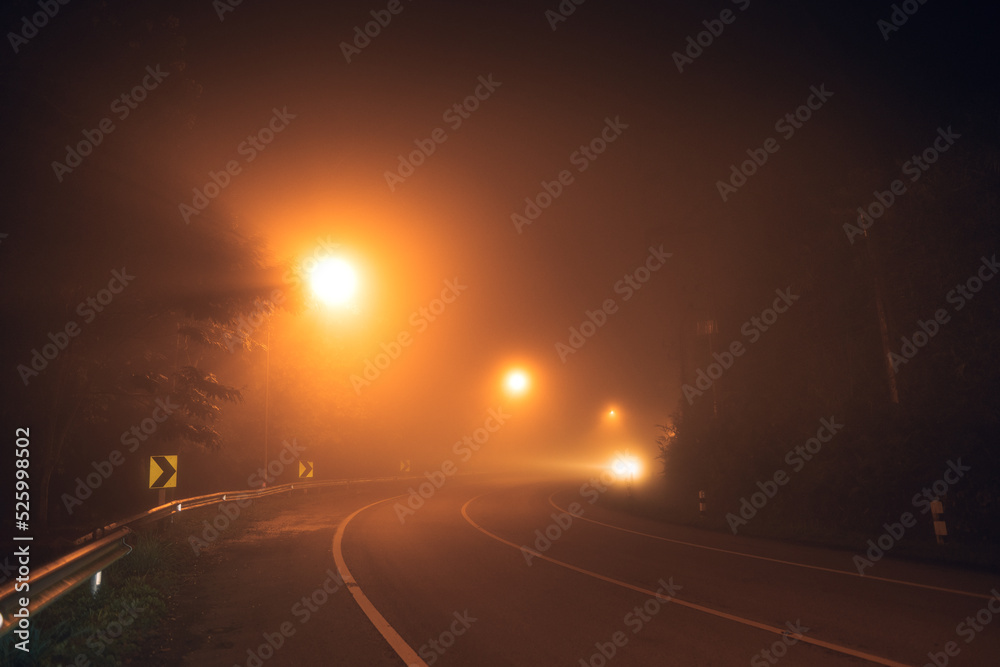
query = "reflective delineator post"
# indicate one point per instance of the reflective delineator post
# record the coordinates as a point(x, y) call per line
point(940, 527)
point(702, 506)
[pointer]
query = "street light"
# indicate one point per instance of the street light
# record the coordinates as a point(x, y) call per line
point(333, 281)
point(517, 382)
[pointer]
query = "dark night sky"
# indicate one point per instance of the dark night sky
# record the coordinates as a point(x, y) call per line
point(324, 174)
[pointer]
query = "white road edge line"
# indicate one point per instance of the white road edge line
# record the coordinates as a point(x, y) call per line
point(397, 643)
point(776, 560)
point(690, 605)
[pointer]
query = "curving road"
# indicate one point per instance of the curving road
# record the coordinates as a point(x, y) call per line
point(530, 572)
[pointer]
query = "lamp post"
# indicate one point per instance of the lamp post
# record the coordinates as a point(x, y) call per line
point(333, 282)
point(267, 378)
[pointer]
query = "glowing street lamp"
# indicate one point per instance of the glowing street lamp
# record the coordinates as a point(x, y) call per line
point(333, 281)
point(517, 382)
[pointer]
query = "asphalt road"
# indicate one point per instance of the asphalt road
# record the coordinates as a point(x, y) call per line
point(466, 580)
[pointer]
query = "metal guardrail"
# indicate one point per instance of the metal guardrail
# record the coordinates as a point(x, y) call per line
point(104, 546)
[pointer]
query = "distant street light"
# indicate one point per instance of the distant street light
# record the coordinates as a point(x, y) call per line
point(517, 382)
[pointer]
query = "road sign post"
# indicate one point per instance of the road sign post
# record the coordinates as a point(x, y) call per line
point(162, 474)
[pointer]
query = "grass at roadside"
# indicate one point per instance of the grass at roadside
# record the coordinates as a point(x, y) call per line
point(133, 619)
point(203, 538)
point(82, 629)
point(123, 623)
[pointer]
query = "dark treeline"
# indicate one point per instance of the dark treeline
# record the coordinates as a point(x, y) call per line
point(891, 334)
point(122, 340)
